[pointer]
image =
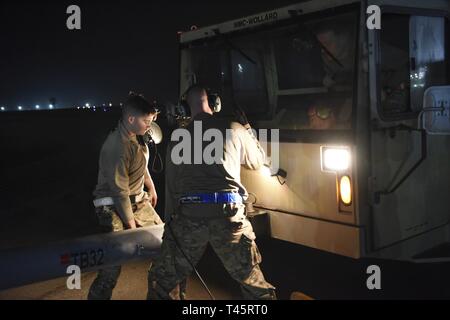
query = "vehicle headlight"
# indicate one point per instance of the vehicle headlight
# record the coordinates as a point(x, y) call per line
point(335, 158)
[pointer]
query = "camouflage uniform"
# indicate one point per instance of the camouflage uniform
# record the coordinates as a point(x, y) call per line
point(225, 226)
point(122, 169)
point(109, 221)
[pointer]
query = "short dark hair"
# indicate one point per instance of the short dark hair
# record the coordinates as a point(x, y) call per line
point(137, 104)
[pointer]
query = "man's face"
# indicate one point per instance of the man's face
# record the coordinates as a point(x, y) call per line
point(139, 125)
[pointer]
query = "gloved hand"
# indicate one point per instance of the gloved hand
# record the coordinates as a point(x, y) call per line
point(241, 118)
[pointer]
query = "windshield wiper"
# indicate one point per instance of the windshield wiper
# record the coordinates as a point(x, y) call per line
point(301, 25)
point(233, 47)
point(321, 45)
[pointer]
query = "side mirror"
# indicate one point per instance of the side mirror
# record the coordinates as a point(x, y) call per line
point(435, 116)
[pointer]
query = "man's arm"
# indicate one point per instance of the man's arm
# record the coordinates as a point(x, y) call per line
point(252, 154)
point(148, 181)
point(118, 181)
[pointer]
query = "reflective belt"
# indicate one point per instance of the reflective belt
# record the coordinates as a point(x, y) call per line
point(108, 201)
point(216, 197)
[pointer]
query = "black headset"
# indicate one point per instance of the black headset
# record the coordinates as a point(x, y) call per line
point(214, 101)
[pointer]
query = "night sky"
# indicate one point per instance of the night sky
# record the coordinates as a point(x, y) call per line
point(122, 46)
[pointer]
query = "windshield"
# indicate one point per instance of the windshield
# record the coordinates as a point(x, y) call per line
point(293, 77)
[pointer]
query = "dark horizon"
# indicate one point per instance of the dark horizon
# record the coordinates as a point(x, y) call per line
point(120, 47)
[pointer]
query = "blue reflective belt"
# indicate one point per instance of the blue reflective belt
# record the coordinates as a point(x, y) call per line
point(216, 197)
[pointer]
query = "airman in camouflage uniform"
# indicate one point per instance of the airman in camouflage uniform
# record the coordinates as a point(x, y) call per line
point(191, 226)
point(120, 200)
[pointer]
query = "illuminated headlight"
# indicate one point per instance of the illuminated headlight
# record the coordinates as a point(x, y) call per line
point(335, 158)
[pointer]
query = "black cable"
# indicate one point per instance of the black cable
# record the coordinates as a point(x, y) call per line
point(157, 155)
point(278, 177)
point(189, 261)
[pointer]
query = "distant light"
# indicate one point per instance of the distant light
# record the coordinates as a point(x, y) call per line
point(240, 69)
point(78, 107)
point(121, 104)
point(19, 107)
point(50, 106)
point(2, 108)
point(103, 104)
point(87, 105)
point(37, 106)
point(110, 104)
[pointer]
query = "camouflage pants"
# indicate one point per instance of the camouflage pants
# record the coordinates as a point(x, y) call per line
point(109, 221)
point(232, 239)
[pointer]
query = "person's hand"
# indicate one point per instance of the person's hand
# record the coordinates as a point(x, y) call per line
point(153, 197)
point(241, 117)
point(131, 224)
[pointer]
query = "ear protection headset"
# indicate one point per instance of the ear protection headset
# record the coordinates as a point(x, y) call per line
point(214, 101)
